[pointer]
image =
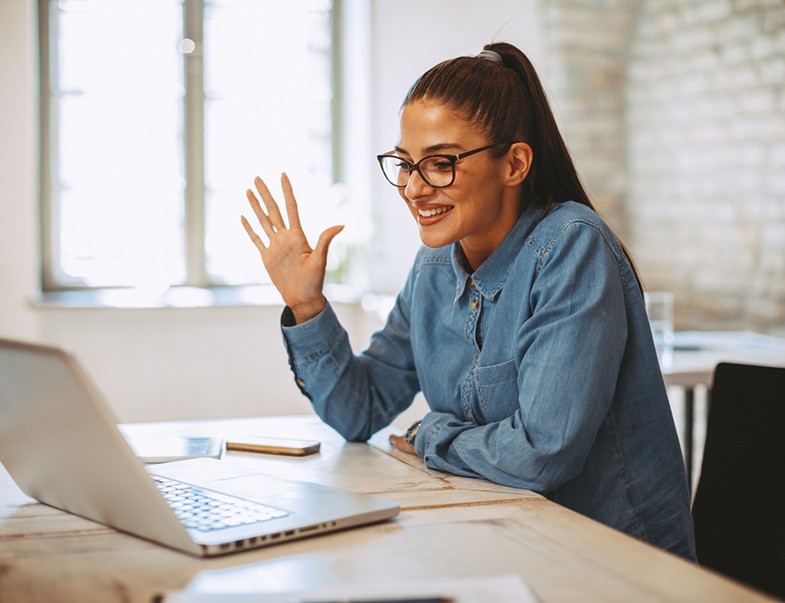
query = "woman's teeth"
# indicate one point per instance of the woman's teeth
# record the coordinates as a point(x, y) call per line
point(428, 213)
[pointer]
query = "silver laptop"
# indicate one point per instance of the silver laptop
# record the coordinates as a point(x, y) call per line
point(60, 443)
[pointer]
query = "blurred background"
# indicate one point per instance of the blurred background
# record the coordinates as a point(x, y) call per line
point(129, 132)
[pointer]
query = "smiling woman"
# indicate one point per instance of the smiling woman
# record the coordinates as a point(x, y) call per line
point(522, 320)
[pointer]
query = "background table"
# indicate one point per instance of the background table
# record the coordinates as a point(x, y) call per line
point(449, 527)
point(690, 365)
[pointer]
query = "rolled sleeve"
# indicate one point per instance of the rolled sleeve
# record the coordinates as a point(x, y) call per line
point(357, 395)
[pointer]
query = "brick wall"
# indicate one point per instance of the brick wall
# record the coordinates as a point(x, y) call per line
point(704, 205)
point(674, 111)
point(586, 43)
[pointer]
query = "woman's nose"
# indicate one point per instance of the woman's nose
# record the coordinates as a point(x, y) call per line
point(417, 186)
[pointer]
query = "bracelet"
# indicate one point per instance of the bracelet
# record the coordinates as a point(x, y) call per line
point(411, 433)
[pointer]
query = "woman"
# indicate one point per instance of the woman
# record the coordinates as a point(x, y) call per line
point(522, 320)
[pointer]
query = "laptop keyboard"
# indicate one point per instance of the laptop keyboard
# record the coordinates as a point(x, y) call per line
point(205, 510)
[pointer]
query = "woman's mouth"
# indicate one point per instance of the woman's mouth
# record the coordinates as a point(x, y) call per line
point(426, 216)
point(429, 213)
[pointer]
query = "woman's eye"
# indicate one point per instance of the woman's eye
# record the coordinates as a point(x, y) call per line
point(443, 165)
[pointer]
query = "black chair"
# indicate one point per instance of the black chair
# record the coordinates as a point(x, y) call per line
point(739, 505)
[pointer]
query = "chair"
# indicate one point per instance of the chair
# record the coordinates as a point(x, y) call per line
point(739, 505)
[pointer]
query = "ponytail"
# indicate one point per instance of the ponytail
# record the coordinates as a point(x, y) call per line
point(553, 177)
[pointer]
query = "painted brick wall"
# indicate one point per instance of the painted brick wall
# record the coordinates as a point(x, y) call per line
point(586, 43)
point(704, 205)
point(674, 111)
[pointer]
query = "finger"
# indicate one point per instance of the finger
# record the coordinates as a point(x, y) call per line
point(276, 219)
point(255, 238)
point(325, 239)
point(291, 204)
point(263, 218)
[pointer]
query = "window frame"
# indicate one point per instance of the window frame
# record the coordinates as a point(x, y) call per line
point(52, 280)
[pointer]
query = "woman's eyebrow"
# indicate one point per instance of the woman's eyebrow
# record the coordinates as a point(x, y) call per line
point(436, 148)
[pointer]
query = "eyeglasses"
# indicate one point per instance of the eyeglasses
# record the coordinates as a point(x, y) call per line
point(438, 171)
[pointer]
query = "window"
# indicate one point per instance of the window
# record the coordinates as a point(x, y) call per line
point(157, 114)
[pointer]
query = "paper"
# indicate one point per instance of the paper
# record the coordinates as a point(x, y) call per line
point(166, 448)
point(499, 589)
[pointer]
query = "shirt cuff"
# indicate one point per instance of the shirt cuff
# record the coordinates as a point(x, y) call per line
point(429, 426)
point(311, 337)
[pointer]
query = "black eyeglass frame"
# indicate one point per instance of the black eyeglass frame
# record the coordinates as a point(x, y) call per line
point(415, 167)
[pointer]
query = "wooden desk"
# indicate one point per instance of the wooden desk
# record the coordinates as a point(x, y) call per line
point(449, 527)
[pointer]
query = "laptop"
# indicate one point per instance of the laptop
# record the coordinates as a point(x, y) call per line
point(60, 443)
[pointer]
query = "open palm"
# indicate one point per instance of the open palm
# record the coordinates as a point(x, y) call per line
point(296, 269)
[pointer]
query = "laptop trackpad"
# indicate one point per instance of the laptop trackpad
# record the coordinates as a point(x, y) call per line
point(255, 487)
point(229, 479)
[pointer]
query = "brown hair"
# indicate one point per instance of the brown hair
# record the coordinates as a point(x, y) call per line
point(507, 99)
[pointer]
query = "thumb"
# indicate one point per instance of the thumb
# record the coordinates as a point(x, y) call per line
point(325, 239)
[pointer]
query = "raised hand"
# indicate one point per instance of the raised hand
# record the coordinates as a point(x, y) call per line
point(296, 270)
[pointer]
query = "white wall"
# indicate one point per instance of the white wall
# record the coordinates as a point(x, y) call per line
point(18, 168)
point(211, 362)
point(174, 363)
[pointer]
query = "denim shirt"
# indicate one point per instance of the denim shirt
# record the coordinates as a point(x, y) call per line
point(538, 368)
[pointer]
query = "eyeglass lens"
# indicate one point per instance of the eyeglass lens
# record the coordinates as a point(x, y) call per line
point(436, 171)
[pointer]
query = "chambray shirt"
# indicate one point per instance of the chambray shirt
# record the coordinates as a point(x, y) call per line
point(539, 370)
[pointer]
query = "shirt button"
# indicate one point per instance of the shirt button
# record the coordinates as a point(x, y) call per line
point(471, 284)
point(301, 383)
point(475, 304)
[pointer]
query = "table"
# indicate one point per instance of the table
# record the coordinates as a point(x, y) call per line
point(691, 364)
point(696, 353)
point(449, 527)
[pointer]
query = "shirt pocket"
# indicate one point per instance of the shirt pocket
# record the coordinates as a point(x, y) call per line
point(497, 390)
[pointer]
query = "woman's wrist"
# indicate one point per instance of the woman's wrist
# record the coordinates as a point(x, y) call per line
point(305, 312)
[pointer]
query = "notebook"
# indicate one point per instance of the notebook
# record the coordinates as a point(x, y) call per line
point(60, 443)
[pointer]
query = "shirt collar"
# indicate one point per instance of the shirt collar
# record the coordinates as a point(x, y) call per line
point(490, 277)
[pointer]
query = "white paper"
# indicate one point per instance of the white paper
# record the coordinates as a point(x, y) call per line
point(499, 589)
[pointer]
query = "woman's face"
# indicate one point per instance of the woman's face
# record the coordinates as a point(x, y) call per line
point(480, 207)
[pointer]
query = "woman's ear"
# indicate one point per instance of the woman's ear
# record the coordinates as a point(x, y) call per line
point(519, 160)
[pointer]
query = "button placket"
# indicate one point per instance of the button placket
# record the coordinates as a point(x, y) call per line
point(472, 323)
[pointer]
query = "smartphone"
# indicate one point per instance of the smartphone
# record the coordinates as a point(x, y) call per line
point(285, 446)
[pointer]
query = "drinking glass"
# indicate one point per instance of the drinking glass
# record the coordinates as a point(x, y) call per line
point(659, 308)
